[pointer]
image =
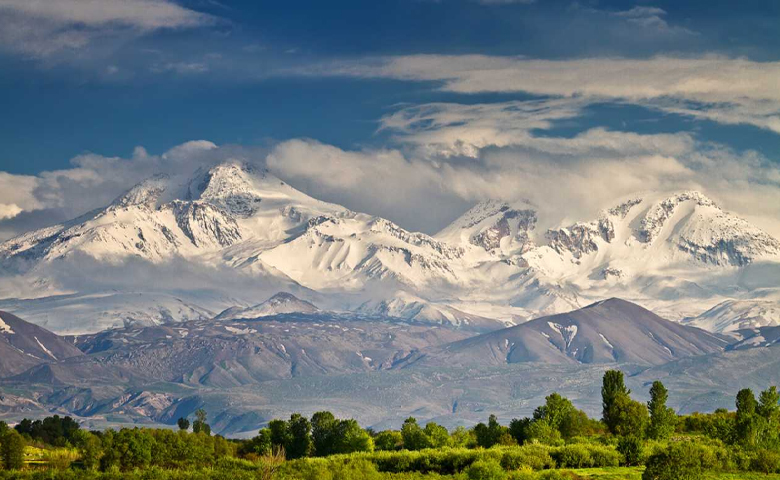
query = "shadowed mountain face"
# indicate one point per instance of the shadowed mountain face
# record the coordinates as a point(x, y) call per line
point(248, 371)
point(24, 345)
point(227, 353)
point(611, 331)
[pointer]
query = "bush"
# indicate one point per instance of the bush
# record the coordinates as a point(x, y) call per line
point(604, 456)
point(632, 450)
point(523, 473)
point(536, 457)
point(573, 456)
point(388, 440)
point(12, 449)
point(766, 461)
point(679, 461)
point(485, 470)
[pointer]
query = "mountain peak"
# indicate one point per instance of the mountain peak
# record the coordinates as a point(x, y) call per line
point(280, 303)
point(146, 193)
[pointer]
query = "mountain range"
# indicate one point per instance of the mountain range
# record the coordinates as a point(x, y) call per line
point(246, 371)
point(180, 248)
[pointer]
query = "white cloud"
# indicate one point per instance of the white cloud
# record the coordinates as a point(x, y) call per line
point(452, 155)
point(449, 129)
point(720, 89)
point(9, 210)
point(41, 28)
point(94, 181)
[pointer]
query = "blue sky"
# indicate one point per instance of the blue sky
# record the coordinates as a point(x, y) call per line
point(672, 88)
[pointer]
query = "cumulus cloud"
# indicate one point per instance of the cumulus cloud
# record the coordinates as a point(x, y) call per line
point(451, 155)
point(57, 195)
point(716, 88)
point(41, 27)
point(450, 129)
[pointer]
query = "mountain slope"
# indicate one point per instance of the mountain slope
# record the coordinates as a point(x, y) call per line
point(24, 345)
point(280, 303)
point(233, 234)
point(611, 331)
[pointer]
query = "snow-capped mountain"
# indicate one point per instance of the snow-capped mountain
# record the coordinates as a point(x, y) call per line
point(280, 303)
point(178, 248)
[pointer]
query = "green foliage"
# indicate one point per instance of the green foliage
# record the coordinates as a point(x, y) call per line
point(57, 431)
point(612, 389)
point(490, 434)
point(200, 425)
point(300, 437)
point(414, 437)
point(12, 450)
point(628, 417)
point(90, 449)
point(536, 457)
point(388, 440)
point(573, 456)
point(542, 432)
point(259, 445)
point(746, 424)
point(663, 419)
point(183, 423)
point(632, 449)
point(485, 470)
point(679, 461)
point(438, 436)
point(766, 461)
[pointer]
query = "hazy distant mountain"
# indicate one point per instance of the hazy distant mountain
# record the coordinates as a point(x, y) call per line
point(610, 331)
point(280, 303)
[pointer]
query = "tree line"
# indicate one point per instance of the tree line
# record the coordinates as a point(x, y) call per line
point(751, 432)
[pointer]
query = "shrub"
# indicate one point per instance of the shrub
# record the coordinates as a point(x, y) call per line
point(523, 473)
point(679, 461)
point(536, 457)
point(604, 456)
point(12, 450)
point(632, 450)
point(485, 470)
point(388, 440)
point(573, 456)
point(766, 461)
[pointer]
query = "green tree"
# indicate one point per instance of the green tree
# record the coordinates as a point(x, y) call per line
point(389, 440)
point(90, 449)
point(555, 409)
point(280, 434)
point(518, 428)
point(413, 436)
point(613, 388)
point(490, 434)
point(629, 417)
point(323, 433)
point(350, 438)
point(200, 425)
point(769, 411)
point(183, 424)
point(439, 436)
point(746, 426)
point(300, 437)
point(12, 450)
point(133, 448)
point(542, 432)
point(632, 449)
point(260, 445)
point(662, 418)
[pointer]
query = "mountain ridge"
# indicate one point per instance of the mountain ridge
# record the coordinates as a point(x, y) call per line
point(489, 266)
